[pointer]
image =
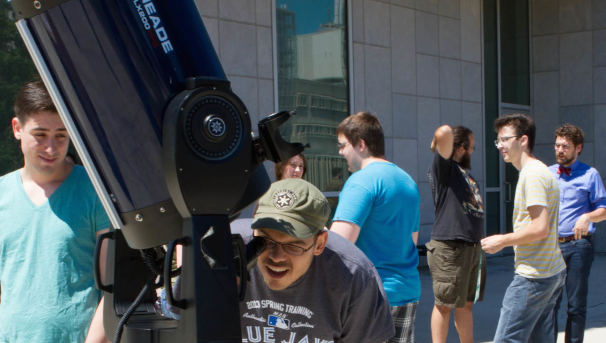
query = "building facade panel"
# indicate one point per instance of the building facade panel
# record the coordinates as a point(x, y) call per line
point(427, 33)
point(450, 112)
point(405, 117)
point(376, 23)
point(238, 10)
point(427, 5)
point(405, 3)
point(428, 76)
point(450, 37)
point(208, 7)
point(428, 119)
point(263, 12)
point(471, 79)
point(545, 17)
point(416, 64)
point(546, 105)
point(546, 54)
point(576, 68)
point(403, 57)
point(238, 48)
point(471, 31)
point(449, 8)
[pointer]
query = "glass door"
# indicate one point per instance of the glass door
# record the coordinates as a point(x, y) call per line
point(506, 90)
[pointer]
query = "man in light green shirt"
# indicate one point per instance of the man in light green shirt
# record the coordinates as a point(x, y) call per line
point(50, 217)
point(527, 313)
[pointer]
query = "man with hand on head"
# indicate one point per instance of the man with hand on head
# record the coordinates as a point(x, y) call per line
point(50, 217)
point(309, 285)
point(582, 203)
point(527, 313)
point(454, 255)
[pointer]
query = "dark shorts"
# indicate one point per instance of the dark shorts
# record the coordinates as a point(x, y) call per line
point(454, 267)
point(404, 321)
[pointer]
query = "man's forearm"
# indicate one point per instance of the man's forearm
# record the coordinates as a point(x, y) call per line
point(530, 234)
point(537, 229)
point(443, 140)
point(596, 216)
point(96, 332)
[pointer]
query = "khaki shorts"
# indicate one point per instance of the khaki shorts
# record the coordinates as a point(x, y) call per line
point(454, 269)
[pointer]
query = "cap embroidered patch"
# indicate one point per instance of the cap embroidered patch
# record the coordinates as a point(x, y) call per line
point(284, 199)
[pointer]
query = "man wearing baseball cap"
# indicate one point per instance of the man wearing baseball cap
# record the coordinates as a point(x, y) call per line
point(309, 285)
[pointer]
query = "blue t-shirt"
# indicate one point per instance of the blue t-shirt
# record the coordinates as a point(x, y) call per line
point(383, 200)
point(46, 260)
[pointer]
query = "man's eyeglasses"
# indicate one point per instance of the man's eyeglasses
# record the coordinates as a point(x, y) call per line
point(342, 145)
point(288, 248)
point(472, 148)
point(503, 140)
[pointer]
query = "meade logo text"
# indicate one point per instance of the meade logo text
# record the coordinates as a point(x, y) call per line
point(146, 9)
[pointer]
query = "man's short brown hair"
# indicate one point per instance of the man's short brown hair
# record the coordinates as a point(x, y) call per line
point(522, 124)
point(31, 99)
point(364, 126)
point(572, 133)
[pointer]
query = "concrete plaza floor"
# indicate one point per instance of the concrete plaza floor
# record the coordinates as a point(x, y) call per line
point(486, 313)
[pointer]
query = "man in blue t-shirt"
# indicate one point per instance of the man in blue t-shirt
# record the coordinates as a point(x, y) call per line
point(379, 211)
point(50, 216)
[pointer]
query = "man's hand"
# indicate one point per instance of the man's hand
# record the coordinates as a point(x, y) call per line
point(493, 244)
point(443, 141)
point(581, 227)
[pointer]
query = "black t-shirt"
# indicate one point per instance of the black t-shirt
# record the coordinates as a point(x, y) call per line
point(457, 202)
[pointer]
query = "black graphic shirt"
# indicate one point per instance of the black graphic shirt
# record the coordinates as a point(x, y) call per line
point(339, 299)
point(457, 202)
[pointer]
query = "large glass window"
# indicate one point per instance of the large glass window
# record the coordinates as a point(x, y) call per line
point(515, 52)
point(312, 69)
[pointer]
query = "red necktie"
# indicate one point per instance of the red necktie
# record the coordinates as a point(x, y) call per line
point(564, 170)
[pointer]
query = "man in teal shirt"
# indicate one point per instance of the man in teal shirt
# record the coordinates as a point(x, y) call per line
point(379, 211)
point(50, 217)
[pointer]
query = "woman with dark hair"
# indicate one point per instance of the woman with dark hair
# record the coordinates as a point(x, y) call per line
point(294, 168)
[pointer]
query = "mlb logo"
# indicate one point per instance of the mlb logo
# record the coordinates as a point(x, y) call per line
point(278, 322)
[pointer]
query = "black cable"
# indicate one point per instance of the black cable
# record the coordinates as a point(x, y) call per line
point(150, 257)
point(133, 307)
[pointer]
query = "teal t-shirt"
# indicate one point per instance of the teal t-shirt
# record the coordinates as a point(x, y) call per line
point(46, 260)
point(383, 200)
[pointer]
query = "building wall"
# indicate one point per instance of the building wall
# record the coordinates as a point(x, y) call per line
point(569, 78)
point(416, 64)
point(241, 31)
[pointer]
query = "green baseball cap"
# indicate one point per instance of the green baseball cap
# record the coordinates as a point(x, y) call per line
point(294, 207)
